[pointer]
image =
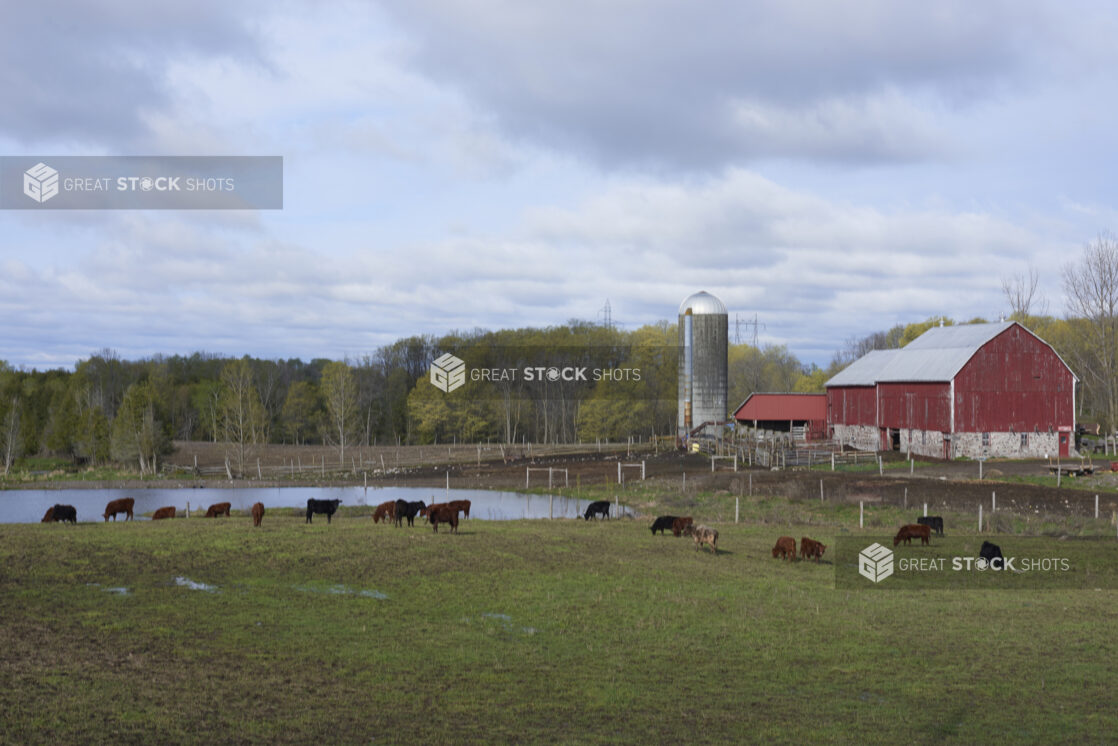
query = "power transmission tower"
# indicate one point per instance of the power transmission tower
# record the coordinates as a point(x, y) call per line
point(606, 314)
point(739, 323)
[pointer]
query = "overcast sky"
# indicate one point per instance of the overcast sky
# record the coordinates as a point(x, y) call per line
point(830, 168)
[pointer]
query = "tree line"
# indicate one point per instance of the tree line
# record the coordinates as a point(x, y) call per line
point(129, 412)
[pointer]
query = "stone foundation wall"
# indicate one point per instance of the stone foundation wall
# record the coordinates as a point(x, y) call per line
point(962, 445)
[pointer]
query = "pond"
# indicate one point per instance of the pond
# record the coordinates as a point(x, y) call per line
point(28, 506)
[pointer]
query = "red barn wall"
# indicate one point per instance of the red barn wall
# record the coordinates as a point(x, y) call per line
point(852, 405)
point(1017, 382)
point(921, 406)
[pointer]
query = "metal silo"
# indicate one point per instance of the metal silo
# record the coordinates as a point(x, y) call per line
point(703, 329)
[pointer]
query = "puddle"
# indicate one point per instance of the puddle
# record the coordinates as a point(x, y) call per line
point(506, 623)
point(194, 586)
point(343, 590)
point(119, 591)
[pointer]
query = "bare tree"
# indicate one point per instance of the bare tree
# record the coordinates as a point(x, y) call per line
point(10, 434)
point(243, 419)
point(339, 389)
point(1021, 293)
point(1091, 289)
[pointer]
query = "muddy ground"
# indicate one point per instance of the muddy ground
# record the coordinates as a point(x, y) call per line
point(943, 485)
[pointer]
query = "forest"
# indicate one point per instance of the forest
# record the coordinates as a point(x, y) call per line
point(130, 412)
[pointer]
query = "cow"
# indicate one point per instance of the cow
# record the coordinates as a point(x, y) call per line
point(443, 514)
point(61, 513)
point(329, 507)
point(912, 531)
point(934, 522)
point(992, 553)
point(385, 511)
point(462, 506)
point(811, 549)
point(218, 509)
point(679, 525)
point(785, 548)
point(121, 505)
point(408, 510)
point(598, 507)
point(162, 513)
point(258, 514)
point(703, 536)
point(662, 523)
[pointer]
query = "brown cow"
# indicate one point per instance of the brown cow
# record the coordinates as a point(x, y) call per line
point(122, 505)
point(443, 514)
point(426, 510)
point(913, 531)
point(809, 548)
point(679, 525)
point(461, 505)
point(49, 517)
point(703, 535)
point(168, 512)
point(218, 509)
point(385, 512)
point(785, 548)
point(257, 513)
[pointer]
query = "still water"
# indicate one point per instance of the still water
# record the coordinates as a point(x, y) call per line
point(28, 506)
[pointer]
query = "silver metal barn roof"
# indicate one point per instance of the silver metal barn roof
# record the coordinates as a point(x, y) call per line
point(936, 355)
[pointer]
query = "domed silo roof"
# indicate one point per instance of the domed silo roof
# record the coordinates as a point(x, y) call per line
point(702, 303)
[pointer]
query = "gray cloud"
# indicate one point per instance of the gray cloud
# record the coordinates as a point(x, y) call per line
point(696, 85)
point(85, 73)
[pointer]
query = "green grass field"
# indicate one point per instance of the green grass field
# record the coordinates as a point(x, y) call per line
point(519, 632)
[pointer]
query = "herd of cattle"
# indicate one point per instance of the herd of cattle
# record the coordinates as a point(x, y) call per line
point(447, 513)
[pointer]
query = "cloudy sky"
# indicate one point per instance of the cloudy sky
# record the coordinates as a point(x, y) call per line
point(831, 168)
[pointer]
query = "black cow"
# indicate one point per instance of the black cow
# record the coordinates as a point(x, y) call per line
point(598, 507)
point(662, 523)
point(990, 553)
point(408, 510)
point(934, 522)
point(321, 506)
point(65, 513)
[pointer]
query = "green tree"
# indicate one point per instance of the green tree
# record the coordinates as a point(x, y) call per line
point(137, 432)
point(302, 411)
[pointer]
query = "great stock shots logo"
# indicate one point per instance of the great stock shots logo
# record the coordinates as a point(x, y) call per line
point(875, 563)
point(40, 182)
point(448, 373)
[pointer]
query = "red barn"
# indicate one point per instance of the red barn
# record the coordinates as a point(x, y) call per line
point(973, 390)
point(804, 416)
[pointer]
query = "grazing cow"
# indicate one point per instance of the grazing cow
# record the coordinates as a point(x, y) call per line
point(61, 513)
point(992, 553)
point(913, 531)
point(663, 523)
point(385, 511)
point(162, 513)
point(258, 514)
point(679, 525)
point(122, 505)
point(218, 509)
point(443, 514)
point(329, 507)
point(785, 548)
point(408, 510)
point(703, 535)
point(598, 507)
point(809, 549)
point(934, 522)
point(462, 506)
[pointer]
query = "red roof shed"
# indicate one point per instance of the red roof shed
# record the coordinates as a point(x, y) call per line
point(786, 413)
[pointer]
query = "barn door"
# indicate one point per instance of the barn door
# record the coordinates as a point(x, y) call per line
point(1064, 445)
